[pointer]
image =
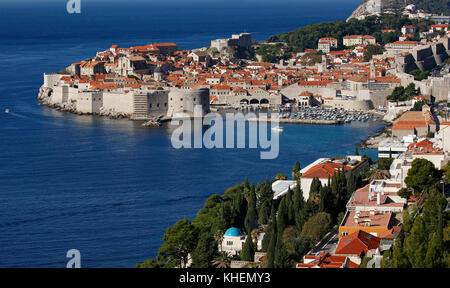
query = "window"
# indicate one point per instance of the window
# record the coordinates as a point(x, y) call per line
point(229, 243)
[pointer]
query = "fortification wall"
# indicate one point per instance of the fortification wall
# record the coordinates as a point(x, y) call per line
point(350, 105)
point(157, 103)
point(51, 80)
point(294, 90)
point(118, 102)
point(184, 101)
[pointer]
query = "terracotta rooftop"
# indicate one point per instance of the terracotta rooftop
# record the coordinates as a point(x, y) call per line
point(357, 242)
point(324, 170)
point(366, 219)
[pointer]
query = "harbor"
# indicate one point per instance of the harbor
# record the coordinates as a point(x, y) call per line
point(315, 115)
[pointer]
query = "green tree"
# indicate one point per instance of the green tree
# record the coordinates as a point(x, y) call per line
point(205, 252)
point(270, 256)
point(422, 175)
point(248, 251)
point(298, 204)
point(314, 190)
point(179, 241)
point(282, 258)
point(416, 244)
point(282, 217)
point(296, 170)
point(317, 226)
point(270, 230)
point(251, 216)
point(435, 251)
point(150, 263)
point(399, 257)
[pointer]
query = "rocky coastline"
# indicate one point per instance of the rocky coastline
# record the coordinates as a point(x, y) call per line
point(373, 141)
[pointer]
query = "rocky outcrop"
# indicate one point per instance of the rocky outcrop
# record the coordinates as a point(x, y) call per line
point(368, 7)
point(372, 7)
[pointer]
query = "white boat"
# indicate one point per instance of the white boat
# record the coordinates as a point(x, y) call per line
point(6, 111)
point(278, 129)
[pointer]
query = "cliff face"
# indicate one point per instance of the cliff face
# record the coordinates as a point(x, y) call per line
point(370, 7)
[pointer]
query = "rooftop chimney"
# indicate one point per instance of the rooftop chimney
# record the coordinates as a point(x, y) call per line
point(378, 198)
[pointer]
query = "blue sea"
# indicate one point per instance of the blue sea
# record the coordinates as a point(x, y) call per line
point(110, 188)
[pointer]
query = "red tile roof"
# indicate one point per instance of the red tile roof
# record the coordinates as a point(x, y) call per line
point(357, 242)
point(324, 170)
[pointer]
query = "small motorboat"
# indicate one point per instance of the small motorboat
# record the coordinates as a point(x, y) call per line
point(278, 129)
point(6, 111)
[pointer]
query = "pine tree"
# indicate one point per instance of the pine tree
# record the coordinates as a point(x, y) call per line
point(248, 251)
point(205, 251)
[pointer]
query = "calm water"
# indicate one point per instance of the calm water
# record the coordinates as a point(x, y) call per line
point(109, 188)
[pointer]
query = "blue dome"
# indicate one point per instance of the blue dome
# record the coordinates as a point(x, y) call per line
point(233, 232)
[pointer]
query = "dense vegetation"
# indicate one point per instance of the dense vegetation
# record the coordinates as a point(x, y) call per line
point(433, 6)
point(372, 50)
point(424, 241)
point(402, 94)
point(308, 36)
point(291, 224)
point(420, 75)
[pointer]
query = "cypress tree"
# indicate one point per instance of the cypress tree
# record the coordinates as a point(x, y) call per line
point(315, 188)
point(399, 258)
point(296, 171)
point(298, 204)
point(270, 256)
point(351, 185)
point(269, 231)
point(251, 216)
point(282, 217)
point(433, 258)
point(290, 207)
point(248, 251)
point(264, 212)
point(281, 259)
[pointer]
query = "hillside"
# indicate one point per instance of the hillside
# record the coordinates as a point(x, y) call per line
point(377, 6)
point(308, 36)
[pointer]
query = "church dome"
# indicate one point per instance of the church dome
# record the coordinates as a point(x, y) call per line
point(233, 232)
